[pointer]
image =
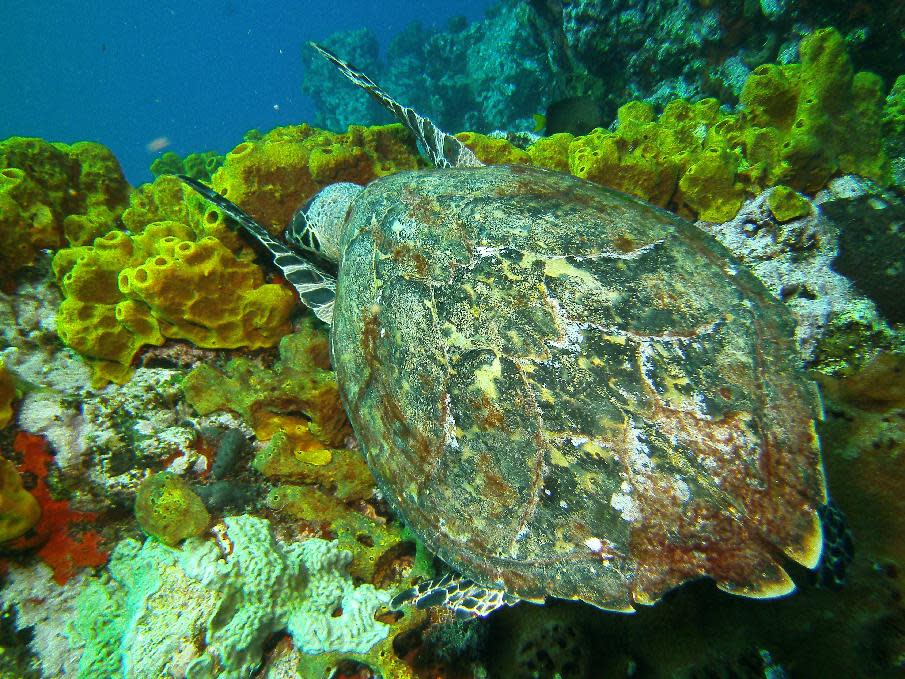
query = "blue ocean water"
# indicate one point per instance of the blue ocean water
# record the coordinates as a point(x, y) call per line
point(193, 76)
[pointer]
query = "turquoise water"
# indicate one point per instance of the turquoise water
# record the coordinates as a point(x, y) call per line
point(198, 75)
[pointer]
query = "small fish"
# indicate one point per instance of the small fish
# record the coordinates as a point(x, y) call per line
point(540, 122)
point(577, 115)
point(157, 144)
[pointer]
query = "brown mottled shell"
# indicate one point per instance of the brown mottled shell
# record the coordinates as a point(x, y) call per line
point(565, 391)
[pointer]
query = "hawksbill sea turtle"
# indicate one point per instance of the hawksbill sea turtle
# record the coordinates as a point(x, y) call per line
point(562, 390)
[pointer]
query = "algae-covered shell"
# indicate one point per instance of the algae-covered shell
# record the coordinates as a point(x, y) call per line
point(568, 392)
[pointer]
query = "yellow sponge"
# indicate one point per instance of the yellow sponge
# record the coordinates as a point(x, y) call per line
point(200, 291)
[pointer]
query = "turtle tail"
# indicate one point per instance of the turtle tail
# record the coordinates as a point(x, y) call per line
point(443, 149)
point(316, 287)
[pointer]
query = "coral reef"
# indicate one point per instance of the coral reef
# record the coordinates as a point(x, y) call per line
point(655, 51)
point(798, 126)
point(124, 292)
point(870, 231)
point(298, 396)
point(794, 258)
point(272, 176)
point(58, 542)
point(183, 274)
point(156, 289)
point(491, 74)
point(53, 194)
point(339, 107)
point(45, 609)
point(148, 615)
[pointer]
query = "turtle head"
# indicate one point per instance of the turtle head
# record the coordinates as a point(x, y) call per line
point(317, 226)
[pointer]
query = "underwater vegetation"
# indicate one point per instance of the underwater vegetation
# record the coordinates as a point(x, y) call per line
point(180, 491)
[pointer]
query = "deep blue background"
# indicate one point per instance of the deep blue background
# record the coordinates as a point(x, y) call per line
point(198, 72)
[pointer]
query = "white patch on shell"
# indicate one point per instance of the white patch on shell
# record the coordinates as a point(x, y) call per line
point(625, 504)
point(487, 251)
point(572, 333)
point(633, 254)
point(683, 492)
point(571, 339)
point(699, 407)
point(638, 458)
point(594, 544)
point(449, 424)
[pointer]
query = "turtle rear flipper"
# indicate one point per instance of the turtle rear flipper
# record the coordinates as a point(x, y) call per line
point(838, 547)
point(443, 149)
point(316, 287)
point(464, 597)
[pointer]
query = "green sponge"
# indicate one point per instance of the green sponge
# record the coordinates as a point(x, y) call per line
point(167, 509)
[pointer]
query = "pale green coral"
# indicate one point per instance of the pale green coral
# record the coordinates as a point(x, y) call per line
point(168, 509)
point(786, 204)
point(157, 601)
